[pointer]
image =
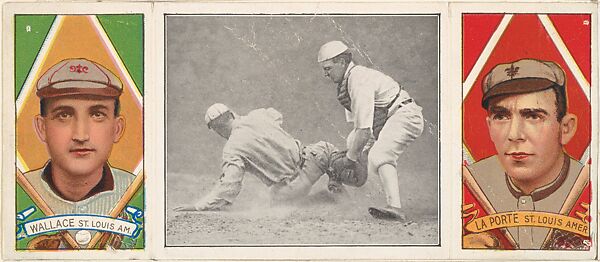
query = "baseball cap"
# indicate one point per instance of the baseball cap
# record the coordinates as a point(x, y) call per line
point(522, 76)
point(330, 50)
point(78, 76)
point(215, 111)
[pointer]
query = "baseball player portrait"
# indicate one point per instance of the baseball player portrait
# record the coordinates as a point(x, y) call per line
point(529, 123)
point(258, 145)
point(385, 120)
point(79, 121)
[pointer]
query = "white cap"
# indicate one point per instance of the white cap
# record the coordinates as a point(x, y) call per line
point(330, 50)
point(215, 111)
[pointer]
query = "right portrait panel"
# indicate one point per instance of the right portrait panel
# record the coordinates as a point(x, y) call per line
point(526, 124)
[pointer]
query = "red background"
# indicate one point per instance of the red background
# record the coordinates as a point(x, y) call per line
point(525, 37)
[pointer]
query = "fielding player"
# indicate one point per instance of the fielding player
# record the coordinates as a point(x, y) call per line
point(529, 124)
point(79, 122)
point(386, 120)
point(256, 144)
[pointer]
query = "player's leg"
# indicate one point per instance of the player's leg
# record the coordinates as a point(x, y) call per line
point(291, 190)
point(378, 166)
point(399, 131)
point(316, 162)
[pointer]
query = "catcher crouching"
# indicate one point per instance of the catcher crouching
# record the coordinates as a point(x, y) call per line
point(258, 145)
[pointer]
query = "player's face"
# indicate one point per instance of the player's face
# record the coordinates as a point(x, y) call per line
point(223, 130)
point(526, 134)
point(222, 126)
point(79, 132)
point(334, 71)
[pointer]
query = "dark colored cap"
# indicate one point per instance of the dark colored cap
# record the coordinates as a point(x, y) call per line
point(523, 76)
point(78, 77)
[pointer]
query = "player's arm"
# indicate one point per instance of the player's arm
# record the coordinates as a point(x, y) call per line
point(363, 107)
point(223, 193)
point(361, 137)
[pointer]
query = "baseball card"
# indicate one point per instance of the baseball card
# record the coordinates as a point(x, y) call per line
point(302, 126)
point(529, 92)
point(76, 111)
point(299, 130)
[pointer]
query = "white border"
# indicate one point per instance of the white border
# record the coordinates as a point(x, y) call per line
point(456, 10)
point(270, 252)
point(8, 120)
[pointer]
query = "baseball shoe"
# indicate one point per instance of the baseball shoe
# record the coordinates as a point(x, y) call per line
point(387, 213)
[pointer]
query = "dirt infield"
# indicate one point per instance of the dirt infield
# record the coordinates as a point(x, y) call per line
point(321, 218)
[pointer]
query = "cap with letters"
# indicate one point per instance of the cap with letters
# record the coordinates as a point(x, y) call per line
point(214, 111)
point(522, 76)
point(78, 76)
point(330, 50)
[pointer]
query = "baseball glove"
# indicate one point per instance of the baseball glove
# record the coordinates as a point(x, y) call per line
point(352, 173)
point(45, 242)
point(480, 241)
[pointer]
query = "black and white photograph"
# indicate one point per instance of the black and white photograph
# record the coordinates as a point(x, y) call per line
point(302, 130)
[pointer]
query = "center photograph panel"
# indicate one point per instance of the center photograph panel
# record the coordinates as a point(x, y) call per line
point(302, 130)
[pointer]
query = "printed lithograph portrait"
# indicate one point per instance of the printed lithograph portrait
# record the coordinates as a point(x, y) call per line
point(302, 130)
point(527, 131)
point(79, 131)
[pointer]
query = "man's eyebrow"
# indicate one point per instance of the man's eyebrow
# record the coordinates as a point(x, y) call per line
point(98, 107)
point(498, 110)
point(525, 111)
point(62, 108)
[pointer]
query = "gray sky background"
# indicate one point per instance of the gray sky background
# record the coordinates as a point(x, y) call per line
point(270, 61)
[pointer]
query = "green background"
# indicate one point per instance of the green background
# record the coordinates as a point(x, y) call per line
point(126, 32)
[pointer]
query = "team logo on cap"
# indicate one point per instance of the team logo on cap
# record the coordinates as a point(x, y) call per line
point(79, 69)
point(512, 71)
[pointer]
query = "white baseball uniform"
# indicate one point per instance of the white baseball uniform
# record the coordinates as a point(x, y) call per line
point(102, 198)
point(369, 88)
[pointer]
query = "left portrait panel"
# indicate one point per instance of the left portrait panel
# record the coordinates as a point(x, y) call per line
point(78, 131)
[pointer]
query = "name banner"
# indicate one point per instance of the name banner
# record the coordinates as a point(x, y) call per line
point(529, 218)
point(79, 222)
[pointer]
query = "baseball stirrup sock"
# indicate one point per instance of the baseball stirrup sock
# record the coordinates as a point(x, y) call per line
point(389, 181)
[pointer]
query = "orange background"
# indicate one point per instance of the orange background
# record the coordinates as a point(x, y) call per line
point(76, 37)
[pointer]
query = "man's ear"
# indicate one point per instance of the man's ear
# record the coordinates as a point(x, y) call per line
point(344, 62)
point(39, 124)
point(568, 126)
point(119, 128)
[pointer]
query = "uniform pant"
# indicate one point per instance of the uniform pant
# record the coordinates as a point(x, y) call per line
point(402, 128)
point(316, 162)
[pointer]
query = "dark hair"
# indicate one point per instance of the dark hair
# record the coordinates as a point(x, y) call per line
point(561, 101)
point(345, 56)
point(44, 111)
